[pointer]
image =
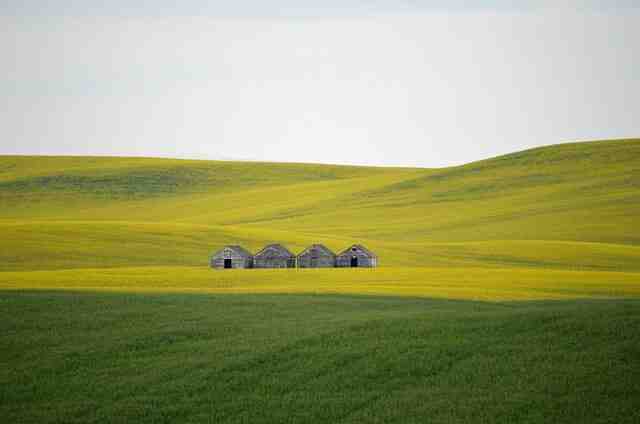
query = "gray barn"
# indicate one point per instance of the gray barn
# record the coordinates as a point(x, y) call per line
point(357, 256)
point(316, 256)
point(274, 256)
point(231, 257)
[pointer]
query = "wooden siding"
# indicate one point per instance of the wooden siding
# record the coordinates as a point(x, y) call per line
point(274, 256)
point(365, 259)
point(239, 259)
point(316, 257)
point(277, 256)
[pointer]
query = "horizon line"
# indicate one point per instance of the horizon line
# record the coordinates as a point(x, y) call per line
point(353, 165)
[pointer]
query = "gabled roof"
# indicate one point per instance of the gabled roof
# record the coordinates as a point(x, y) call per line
point(276, 246)
point(359, 247)
point(321, 247)
point(236, 248)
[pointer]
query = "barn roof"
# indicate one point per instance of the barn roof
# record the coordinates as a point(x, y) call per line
point(276, 246)
point(236, 248)
point(359, 247)
point(321, 247)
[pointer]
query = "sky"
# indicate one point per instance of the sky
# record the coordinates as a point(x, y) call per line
point(409, 83)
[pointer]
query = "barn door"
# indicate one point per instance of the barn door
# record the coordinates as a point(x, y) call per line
point(227, 264)
point(354, 262)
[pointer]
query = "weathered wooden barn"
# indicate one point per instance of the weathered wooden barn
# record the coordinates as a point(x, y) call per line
point(357, 256)
point(316, 256)
point(274, 256)
point(231, 257)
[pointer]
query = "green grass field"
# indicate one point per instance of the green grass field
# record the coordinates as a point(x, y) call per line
point(315, 358)
point(508, 290)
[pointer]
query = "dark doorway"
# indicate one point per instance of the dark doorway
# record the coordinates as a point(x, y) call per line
point(354, 262)
point(227, 264)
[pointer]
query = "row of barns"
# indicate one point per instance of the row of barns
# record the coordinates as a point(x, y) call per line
point(278, 256)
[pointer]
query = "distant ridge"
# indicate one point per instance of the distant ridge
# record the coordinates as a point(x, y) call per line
point(568, 206)
point(222, 158)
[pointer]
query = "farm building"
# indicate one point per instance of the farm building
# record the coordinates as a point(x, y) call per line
point(316, 256)
point(357, 256)
point(232, 257)
point(274, 256)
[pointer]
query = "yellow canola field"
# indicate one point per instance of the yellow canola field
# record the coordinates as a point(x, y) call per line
point(455, 283)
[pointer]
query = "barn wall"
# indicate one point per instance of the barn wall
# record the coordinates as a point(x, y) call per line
point(322, 261)
point(274, 257)
point(238, 260)
point(364, 260)
point(270, 262)
point(277, 258)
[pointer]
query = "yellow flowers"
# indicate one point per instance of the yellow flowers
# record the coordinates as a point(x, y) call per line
point(457, 283)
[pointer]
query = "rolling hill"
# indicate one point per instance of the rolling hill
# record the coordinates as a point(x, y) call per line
point(570, 206)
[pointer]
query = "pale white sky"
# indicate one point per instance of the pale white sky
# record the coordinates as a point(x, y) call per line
point(426, 83)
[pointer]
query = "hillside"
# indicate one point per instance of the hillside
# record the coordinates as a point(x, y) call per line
point(508, 292)
point(569, 206)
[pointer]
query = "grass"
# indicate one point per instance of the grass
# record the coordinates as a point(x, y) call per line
point(508, 290)
point(90, 358)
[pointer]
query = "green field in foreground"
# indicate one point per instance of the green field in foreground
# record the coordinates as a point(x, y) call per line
point(509, 291)
point(164, 358)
